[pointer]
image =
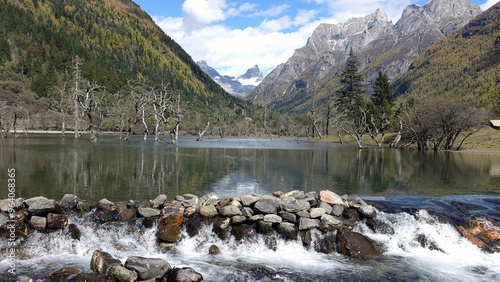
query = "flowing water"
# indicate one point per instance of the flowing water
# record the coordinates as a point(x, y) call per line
point(412, 191)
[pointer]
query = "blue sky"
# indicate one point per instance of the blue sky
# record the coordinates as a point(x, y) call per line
point(234, 35)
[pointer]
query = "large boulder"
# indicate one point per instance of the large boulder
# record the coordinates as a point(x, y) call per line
point(325, 245)
point(329, 223)
point(317, 212)
point(208, 211)
point(242, 231)
point(106, 205)
point(168, 233)
point(148, 268)
point(265, 207)
point(185, 274)
point(57, 221)
point(331, 198)
point(287, 230)
point(172, 216)
point(69, 201)
point(103, 262)
point(248, 200)
point(356, 245)
point(230, 210)
point(159, 201)
point(308, 223)
point(43, 206)
point(120, 273)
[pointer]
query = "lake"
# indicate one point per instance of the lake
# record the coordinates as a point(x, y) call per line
point(411, 190)
point(140, 170)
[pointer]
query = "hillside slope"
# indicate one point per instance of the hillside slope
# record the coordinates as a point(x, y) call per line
point(467, 63)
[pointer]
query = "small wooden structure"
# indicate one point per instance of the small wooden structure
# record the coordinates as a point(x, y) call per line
point(495, 124)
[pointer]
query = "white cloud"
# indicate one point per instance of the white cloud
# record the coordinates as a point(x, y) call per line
point(273, 11)
point(488, 4)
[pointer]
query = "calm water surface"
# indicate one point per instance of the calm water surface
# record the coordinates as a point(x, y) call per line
point(122, 170)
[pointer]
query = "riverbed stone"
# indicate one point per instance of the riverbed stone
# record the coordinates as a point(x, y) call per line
point(247, 212)
point(317, 212)
point(208, 211)
point(172, 216)
point(128, 215)
point(74, 231)
point(30, 201)
point(42, 207)
point(325, 244)
point(290, 217)
point(308, 223)
point(288, 200)
point(159, 201)
point(106, 205)
point(278, 194)
point(367, 211)
point(329, 223)
point(214, 250)
point(148, 268)
point(223, 202)
point(291, 208)
point(38, 222)
point(304, 205)
point(272, 218)
point(304, 214)
point(242, 231)
point(148, 212)
point(238, 219)
point(120, 273)
point(4, 220)
point(221, 227)
point(168, 233)
point(102, 262)
point(230, 210)
point(337, 210)
point(256, 217)
point(331, 198)
point(264, 227)
point(356, 245)
point(185, 274)
point(69, 201)
point(64, 272)
point(56, 221)
point(327, 207)
point(193, 225)
point(265, 207)
point(287, 230)
point(236, 204)
point(295, 193)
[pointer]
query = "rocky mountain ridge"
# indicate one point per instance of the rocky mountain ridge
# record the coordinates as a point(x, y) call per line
point(378, 43)
point(236, 86)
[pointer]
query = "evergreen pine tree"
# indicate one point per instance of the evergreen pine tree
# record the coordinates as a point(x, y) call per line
point(382, 92)
point(4, 49)
point(350, 97)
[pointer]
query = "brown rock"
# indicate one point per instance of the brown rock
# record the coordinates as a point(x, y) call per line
point(74, 231)
point(214, 250)
point(69, 201)
point(64, 272)
point(103, 262)
point(331, 198)
point(56, 221)
point(221, 227)
point(128, 215)
point(241, 232)
point(184, 274)
point(168, 233)
point(120, 273)
point(305, 236)
point(208, 211)
point(106, 206)
point(356, 245)
point(38, 222)
point(471, 238)
point(172, 216)
point(325, 245)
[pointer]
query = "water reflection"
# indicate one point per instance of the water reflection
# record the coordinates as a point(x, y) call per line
point(51, 166)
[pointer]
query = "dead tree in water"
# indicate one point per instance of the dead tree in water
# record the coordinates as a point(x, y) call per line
point(263, 120)
point(92, 104)
point(178, 110)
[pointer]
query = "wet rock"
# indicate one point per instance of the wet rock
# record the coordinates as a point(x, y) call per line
point(148, 212)
point(379, 226)
point(193, 225)
point(278, 194)
point(74, 231)
point(208, 211)
point(331, 198)
point(224, 202)
point(23, 278)
point(69, 201)
point(230, 211)
point(427, 243)
point(367, 211)
point(128, 215)
point(102, 217)
point(265, 207)
point(287, 230)
point(351, 215)
point(356, 245)
point(120, 273)
point(479, 243)
point(84, 206)
point(329, 223)
point(271, 241)
point(56, 221)
point(192, 202)
point(148, 222)
point(42, 207)
point(242, 232)
point(106, 205)
point(317, 212)
point(264, 227)
point(103, 262)
point(290, 217)
point(64, 272)
point(325, 245)
point(261, 273)
point(308, 223)
point(238, 219)
point(337, 210)
point(159, 201)
point(214, 250)
point(221, 227)
point(246, 211)
point(172, 216)
point(148, 268)
point(38, 223)
point(272, 218)
point(327, 207)
point(306, 237)
point(185, 274)
point(209, 199)
point(291, 208)
point(132, 204)
point(168, 233)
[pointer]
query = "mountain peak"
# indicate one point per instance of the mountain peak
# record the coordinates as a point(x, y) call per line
point(252, 73)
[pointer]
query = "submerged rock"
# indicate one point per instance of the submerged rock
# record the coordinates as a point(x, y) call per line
point(356, 245)
point(148, 268)
point(214, 250)
point(64, 272)
point(74, 231)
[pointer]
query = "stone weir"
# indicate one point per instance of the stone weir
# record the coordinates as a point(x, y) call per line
point(291, 216)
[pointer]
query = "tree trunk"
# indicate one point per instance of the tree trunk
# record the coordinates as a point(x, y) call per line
point(201, 133)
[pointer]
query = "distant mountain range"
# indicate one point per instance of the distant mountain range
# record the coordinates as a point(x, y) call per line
point(236, 86)
point(378, 43)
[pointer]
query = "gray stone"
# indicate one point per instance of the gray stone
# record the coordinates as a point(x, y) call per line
point(69, 201)
point(148, 212)
point(329, 223)
point(278, 193)
point(256, 217)
point(185, 274)
point(288, 230)
point(265, 207)
point(272, 218)
point(4, 205)
point(180, 198)
point(30, 201)
point(148, 268)
point(327, 207)
point(159, 201)
point(209, 199)
point(308, 223)
point(288, 200)
point(190, 196)
point(120, 273)
point(312, 194)
point(106, 206)
point(290, 217)
point(42, 207)
point(290, 208)
point(3, 221)
point(237, 219)
point(367, 211)
point(38, 222)
point(236, 204)
point(304, 214)
point(102, 262)
point(208, 211)
point(295, 193)
point(304, 205)
point(23, 278)
point(230, 211)
point(331, 198)
point(337, 210)
point(246, 211)
point(317, 212)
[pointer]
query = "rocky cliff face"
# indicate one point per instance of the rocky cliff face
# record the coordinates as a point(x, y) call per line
point(236, 86)
point(378, 43)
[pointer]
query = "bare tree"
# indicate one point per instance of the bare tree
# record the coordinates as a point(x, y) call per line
point(91, 102)
point(263, 120)
point(162, 100)
point(61, 101)
point(178, 110)
point(77, 62)
point(137, 101)
point(356, 126)
point(222, 116)
point(312, 117)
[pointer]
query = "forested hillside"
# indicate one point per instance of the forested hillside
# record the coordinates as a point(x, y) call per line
point(465, 64)
point(119, 46)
